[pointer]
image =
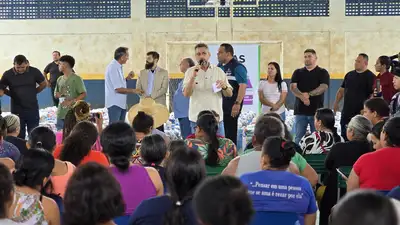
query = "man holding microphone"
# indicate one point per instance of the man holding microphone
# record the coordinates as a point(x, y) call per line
point(205, 84)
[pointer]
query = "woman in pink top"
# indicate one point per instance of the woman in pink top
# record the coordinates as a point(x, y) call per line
point(43, 137)
point(138, 183)
point(80, 112)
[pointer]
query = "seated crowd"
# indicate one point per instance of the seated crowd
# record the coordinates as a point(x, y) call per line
point(134, 174)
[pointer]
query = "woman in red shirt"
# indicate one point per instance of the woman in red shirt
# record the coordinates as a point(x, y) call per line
point(77, 147)
point(379, 170)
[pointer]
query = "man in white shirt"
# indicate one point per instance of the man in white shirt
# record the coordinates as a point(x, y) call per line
point(205, 84)
point(115, 86)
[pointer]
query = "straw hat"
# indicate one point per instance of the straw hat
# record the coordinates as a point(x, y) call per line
point(159, 112)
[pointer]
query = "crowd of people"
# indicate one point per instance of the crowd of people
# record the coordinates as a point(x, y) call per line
point(132, 173)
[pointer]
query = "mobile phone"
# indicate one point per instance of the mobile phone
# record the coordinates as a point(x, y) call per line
point(341, 174)
point(93, 116)
point(378, 85)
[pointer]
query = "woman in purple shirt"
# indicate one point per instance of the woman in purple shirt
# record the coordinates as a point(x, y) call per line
point(137, 183)
point(185, 170)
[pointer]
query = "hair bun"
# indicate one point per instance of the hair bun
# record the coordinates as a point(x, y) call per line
point(39, 144)
point(121, 162)
point(289, 148)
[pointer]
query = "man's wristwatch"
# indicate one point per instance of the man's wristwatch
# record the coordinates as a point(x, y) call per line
point(237, 103)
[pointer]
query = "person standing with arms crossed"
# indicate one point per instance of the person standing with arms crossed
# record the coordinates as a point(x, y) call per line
point(55, 73)
point(237, 77)
point(22, 83)
point(115, 86)
point(308, 86)
point(357, 87)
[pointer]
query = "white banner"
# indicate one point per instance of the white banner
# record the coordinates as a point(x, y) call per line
point(248, 55)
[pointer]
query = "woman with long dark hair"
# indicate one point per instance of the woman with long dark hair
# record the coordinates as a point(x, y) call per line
point(184, 171)
point(77, 147)
point(322, 140)
point(138, 183)
point(44, 137)
point(31, 174)
point(6, 195)
point(216, 151)
point(273, 91)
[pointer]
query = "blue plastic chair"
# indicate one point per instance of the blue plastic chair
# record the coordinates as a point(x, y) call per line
point(122, 220)
point(275, 218)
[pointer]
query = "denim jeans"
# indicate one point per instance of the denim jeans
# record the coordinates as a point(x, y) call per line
point(184, 124)
point(221, 130)
point(116, 113)
point(28, 121)
point(301, 123)
point(60, 124)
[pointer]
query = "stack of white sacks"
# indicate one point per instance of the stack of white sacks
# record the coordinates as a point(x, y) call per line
point(245, 124)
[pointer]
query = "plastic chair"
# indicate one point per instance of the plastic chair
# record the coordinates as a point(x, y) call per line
point(317, 162)
point(122, 220)
point(341, 182)
point(275, 218)
point(214, 170)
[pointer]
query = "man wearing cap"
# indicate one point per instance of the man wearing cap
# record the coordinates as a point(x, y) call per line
point(205, 84)
point(22, 83)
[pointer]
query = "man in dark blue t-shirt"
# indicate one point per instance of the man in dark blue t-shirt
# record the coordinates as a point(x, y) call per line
point(308, 85)
point(237, 77)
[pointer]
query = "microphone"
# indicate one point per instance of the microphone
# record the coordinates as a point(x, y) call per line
point(201, 63)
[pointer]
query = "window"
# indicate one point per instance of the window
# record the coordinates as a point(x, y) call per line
point(372, 7)
point(267, 8)
point(64, 9)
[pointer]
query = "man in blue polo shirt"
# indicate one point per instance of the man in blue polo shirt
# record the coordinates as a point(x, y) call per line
point(181, 103)
point(237, 76)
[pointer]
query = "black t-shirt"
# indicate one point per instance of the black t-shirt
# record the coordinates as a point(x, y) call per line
point(307, 81)
point(22, 88)
point(358, 87)
point(55, 73)
point(18, 142)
